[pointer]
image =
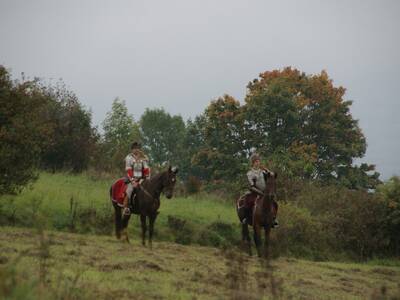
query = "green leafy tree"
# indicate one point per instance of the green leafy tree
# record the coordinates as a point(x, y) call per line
point(193, 142)
point(163, 136)
point(390, 191)
point(222, 155)
point(287, 108)
point(73, 138)
point(120, 130)
point(25, 128)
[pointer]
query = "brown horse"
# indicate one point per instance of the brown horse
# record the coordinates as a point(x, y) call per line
point(261, 216)
point(146, 204)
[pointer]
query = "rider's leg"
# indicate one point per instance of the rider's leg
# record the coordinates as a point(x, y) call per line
point(128, 195)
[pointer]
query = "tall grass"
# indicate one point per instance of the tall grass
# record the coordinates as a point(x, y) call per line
point(80, 203)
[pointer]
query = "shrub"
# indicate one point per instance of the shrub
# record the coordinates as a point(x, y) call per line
point(300, 234)
point(193, 185)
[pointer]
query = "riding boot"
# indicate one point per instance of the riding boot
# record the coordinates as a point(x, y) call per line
point(126, 210)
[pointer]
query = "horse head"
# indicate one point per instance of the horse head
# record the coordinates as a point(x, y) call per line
point(270, 184)
point(169, 181)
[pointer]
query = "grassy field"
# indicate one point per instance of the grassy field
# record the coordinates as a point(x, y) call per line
point(51, 264)
point(44, 255)
point(53, 194)
point(78, 203)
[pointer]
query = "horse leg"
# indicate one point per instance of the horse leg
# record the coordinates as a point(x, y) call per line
point(118, 217)
point(267, 244)
point(144, 228)
point(125, 221)
point(151, 229)
point(246, 237)
point(257, 238)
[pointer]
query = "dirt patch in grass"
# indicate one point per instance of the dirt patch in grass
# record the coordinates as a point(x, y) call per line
point(143, 264)
point(149, 265)
point(303, 282)
point(9, 250)
point(331, 267)
point(112, 267)
point(3, 260)
point(384, 271)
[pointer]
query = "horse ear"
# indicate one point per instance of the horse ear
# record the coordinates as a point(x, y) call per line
point(276, 175)
point(170, 169)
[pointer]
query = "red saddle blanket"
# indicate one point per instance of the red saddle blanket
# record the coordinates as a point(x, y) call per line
point(118, 190)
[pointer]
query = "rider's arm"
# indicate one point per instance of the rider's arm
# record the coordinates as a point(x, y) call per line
point(146, 169)
point(128, 167)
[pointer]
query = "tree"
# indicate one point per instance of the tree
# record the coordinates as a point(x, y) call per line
point(192, 144)
point(163, 136)
point(223, 154)
point(25, 126)
point(390, 191)
point(286, 109)
point(73, 136)
point(120, 130)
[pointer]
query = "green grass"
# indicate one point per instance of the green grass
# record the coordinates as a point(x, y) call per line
point(54, 192)
point(203, 219)
point(89, 266)
point(50, 198)
point(76, 266)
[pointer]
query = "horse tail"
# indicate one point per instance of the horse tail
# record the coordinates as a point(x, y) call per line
point(111, 191)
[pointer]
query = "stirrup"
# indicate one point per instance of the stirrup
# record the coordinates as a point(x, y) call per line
point(244, 221)
point(126, 211)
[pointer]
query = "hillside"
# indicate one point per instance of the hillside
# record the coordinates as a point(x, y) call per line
point(37, 265)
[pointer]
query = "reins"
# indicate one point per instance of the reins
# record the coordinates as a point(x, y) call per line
point(147, 193)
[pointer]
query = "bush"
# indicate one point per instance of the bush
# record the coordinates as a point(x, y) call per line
point(300, 234)
point(353, 221)
point(181, 229)
point(193, 185)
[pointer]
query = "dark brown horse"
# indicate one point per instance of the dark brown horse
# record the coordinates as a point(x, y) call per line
point(261, 216)
point(146, 204)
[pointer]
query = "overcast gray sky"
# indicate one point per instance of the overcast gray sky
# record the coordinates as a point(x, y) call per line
point(181, 54)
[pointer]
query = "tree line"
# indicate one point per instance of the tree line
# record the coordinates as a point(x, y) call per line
point(300, 124)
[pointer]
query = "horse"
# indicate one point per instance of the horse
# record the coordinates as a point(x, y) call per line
point(146, 203)
point(262, 216)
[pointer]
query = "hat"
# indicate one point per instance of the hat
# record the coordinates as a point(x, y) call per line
point(135, 145)
point(254, 157)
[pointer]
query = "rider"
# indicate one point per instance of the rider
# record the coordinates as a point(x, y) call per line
point(256, 181)
point(137, 168)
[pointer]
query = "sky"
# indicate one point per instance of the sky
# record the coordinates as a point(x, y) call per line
point(180, 55)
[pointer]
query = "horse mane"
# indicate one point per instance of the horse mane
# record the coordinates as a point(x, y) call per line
point(153, 179)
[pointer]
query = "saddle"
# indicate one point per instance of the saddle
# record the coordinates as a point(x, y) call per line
point(248, 200)
point(245, 206)
point(118, 191)
point(119, 188)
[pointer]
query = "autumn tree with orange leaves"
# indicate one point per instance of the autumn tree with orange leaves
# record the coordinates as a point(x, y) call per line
point(299, 122)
